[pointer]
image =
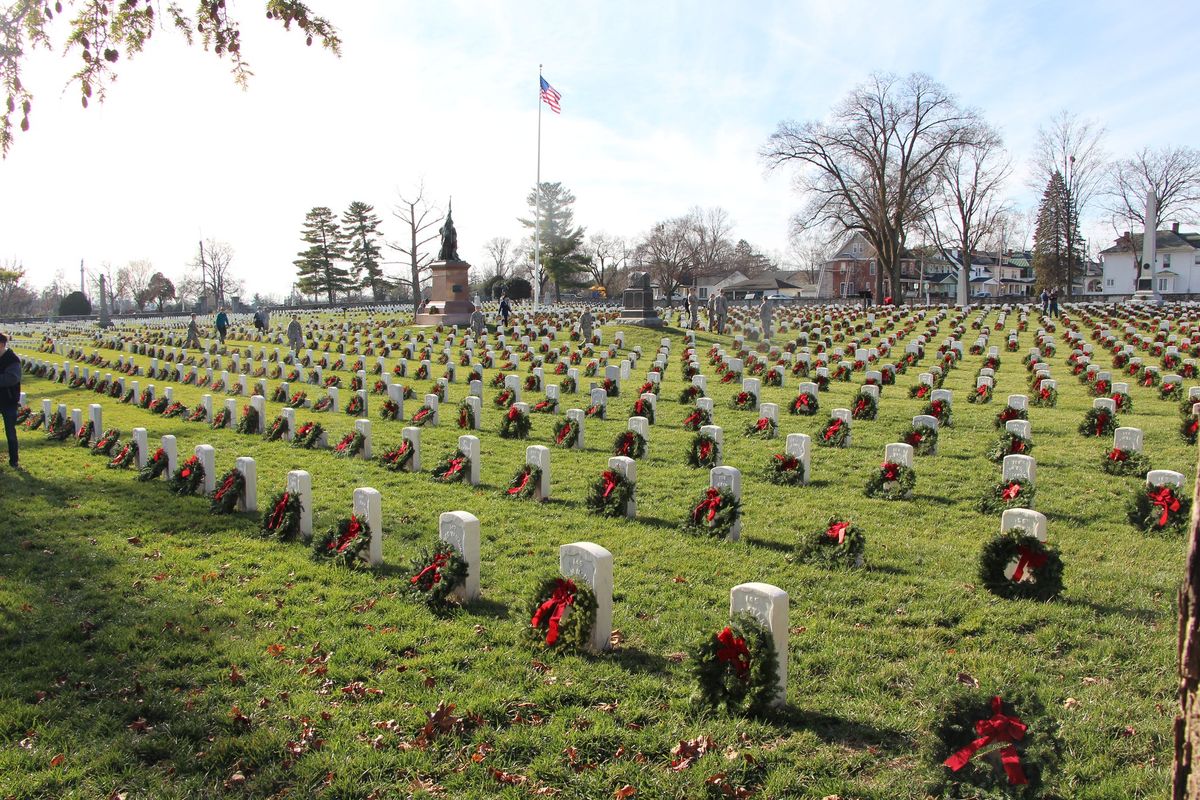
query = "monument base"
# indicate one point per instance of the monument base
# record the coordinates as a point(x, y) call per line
point(448, 303)
point(645, 322)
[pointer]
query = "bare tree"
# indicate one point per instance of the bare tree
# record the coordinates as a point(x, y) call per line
point(710, 239)
point(110, 283)
point(213, 267)
point(132, 280)
point(502, 256)
point(871, 168)
point(668, 253)
point(418, 217)
point(608, 256)
point(967, 205)
point(188, 290)
point(1172, 172)
point(807, 252)
point(1075, 149)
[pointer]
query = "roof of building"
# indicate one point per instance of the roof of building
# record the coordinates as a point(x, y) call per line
point(1163, 240)
point(767, 280)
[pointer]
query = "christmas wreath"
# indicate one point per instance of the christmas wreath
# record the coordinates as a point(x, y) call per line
point(324, 404)
point(805, 404)
point(280, 394)
point(104, 445)
point(1021, 755)
point(981, 395)
point(277, 429)
point(355, 406)
point(940, 410)
point(568, 385)
point(398, 458)
point(744, 401)
point(221, 419)
point(715, 513)
point(1015, 493)
point(515, 424)
point(1188, 428)
point(504, 399)
point(566, 433)
point(454, 468)
point(822, 382)
point(435, 576)
point(1045, 398)
point(1009, 444)
point(197, 415)
point(249, 420)
point(61, 427)
point(466, 416)
point(175, 409)
point(155, 466)
point(611, 387)
point(737, 667)
point(762, 428)
point(422, 416)
point(630, 444)
point(146, 398)
point(298, 400)
point(546, 406)
point(126, 455)
point(230, 489)
point(1101, 388)
point(351, 445)
point(379, 387)
point(308, 435)
point(187, 478)
point(1160, 508)
point(1171, 391)
point(892, 482)
point(840, 543)
point(159, 406)
point(1098, 422)
point(643, 408)
point(920, 391)
point(84, 437)
point(922, 438)
point(610, 494)
point(1125, 462)
point(1008, 413)
point(785, 470)
point(524, 483)
point(835, 433)
point(1035, 575)
point(282, 517)
point(563, 614)
point(347, 542)
point(390, 410)
point(696, 419)
point(35, 421)
point(704, 451)
point(533, 383)
point(864, 406)
point(128, 398)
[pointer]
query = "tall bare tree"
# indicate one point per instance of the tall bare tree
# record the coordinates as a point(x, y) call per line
point(807, 252)
point(1074, 148)
point(1173, 173)
point(501, 255)
point(711, 239)
point(872, 166)
point(420, 221)
point(608, 256)
point(668, 253)
point(214, 263)
point(132, 280)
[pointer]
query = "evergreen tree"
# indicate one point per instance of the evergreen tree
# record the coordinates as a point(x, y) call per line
point(563, 253)
point(1052, 258)
point(319, 264)
point(360, 227)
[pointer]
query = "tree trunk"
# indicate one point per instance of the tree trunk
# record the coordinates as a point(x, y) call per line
point(1187, 722)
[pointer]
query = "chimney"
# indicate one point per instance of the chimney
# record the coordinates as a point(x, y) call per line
point(1174, 227)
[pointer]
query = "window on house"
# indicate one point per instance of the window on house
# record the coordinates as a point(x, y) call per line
point(845, 288)
point(1166, 260)
point(1162, 284)
point(1109, 282)
point(872, 267)
point(703, 292)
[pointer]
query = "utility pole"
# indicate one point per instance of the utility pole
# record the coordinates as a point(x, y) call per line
point(82, 290)
point(203, 284)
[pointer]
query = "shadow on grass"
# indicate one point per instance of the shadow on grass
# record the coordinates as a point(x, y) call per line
point(836, 730)
point(779, 547)
point(482, 607)
point(1143, 615)
point(936, 499)
point(659, 522)
point(636, 660)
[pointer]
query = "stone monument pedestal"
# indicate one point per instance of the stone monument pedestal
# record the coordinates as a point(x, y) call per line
point(449, 301)
point(637, 306)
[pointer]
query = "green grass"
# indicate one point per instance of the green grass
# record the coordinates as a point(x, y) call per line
point(125, 610)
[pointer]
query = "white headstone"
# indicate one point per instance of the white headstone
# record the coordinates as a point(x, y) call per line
point(363, 426)
point(627, 467)
point(431, 400)
point(249, 499)
point(799, 445)
point(577, 414)
point(641, 426)
point(469, 446)
point(1105, 404)
point(539, 456)
point(299, 484)
point(1164, 477)
point(259, 404)
point(1033, 522)
point(1128, 439)
point(171, 451)
point(769, 605)
point(413, 437)
point(141, 439)
point(208, 459)
point(1020, 427)
point(594, 564)
point(1019, 402)
point(96, 416)
point(460, 530)
point(899, 453)
point(368, 506)
point(718, 435)
point(754, 386)
point(1019, 467)
point(476, 405)
point(728, 478)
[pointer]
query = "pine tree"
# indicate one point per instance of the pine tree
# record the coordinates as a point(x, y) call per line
point(319, 264)
point(563, 254)
point(1051, 258)
point(360, 227)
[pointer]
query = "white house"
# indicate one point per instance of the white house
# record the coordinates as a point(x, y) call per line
point(1177, 267)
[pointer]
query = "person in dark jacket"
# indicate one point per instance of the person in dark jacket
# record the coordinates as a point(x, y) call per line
point(10, 396)
point(222, 323)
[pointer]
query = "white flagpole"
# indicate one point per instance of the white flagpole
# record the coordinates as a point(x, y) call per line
point(537, 212)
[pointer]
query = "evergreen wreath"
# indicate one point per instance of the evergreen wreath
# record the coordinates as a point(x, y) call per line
point(744, 401)
point(1038, 572)
point(379, 387)
point(533, 383)
point(324, 404)
point(107, 441)
point(835, 433)
point(298, 400)
point(498, 380)
point(562, 614)
point(864, 406)
point(155, 466)
point(696, 419)
point(643, 408)
point(892, 482)
point(610, 494)
point(126, 455)
point(1171, 391)
point(822, 382)
point(398, 459)
point(351, 445)
point(454, 468)
point(546, 406)
point(220, 419)
point(282, 517)
point(277, 429)
point(515, 424)
point(840, 543)
point(197, 415)
point(422, 416)
point(504, 398)
point(466, 416)
point(35, 421)
point(922, 438)
point(715, 513)
point(940, 410)
point(524, 484)
point(437, 574)
point(1122, 401)
point(159, 406)
point(1101, 388)
point(1009, 444)
point(1008, 413)
point(611, 388)
point(1045, 398)
point(1157, 509)
point(773, 378)
point(785, 469)
point(308, 435)
point(248, 424)
point(920, 391)
point(1188, 429)
point(1098, 422)
point(61, 428)
point(981, 395)
point(355, 406)
point(629, 443)
point(704, 451)
point(690, 393)
point(230, 489)
point(128, 398)
point(347, 542)
point(1014, 493)
point(390, 410)
point(568, 385)
point(1125, 462)
point(145, 398)
point(566, 433)
point(187, 478)
point(804, 404)
point(737, 668)
point(967, 721)
point(279, 395)
point(762, 428)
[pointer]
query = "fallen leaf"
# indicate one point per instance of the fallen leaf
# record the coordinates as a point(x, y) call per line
point(58, 760)
point(1070, 703)
point(510, 778)
point(969, 680)
point(688, 751)
point(235, 677)
point(134, 540)
point(624, 792)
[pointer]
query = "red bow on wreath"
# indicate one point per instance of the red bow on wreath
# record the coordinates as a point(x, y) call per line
point(1101, 421)
point(610, 483)
point(981, 391)
point(562, 434)
point(705, 450)
point(556, 606)
point(225, 487)
point(1027, 559)
point(832, 430)
point(838, 531)
point(763, 424)
point(520, 487)
point(999, 728)
point(787, 462)
point(1011, 491)
point(1165, 499)
point(513, 412)
point(277, 514)
point(352, 532)
point(1193, 426)
point(802, 401)
point(1117, 454)
point(1044, 393)
point(860, 406)
point(890, 471)
point(711, 503)
point(626, 442)
point(914, 439)
point(734, 651)
point(433, 570)
point(922, 390)
point(455, 466)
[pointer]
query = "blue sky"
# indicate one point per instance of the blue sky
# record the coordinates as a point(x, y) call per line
point(664, 107)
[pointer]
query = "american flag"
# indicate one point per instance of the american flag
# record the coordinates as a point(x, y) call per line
point(550, 96)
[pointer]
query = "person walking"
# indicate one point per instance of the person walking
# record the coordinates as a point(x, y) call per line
point(1045, 301)
point(721, 305)
point(295, 335)
point(222, 324)
point(505, 309)
point(764, 317)
point(10, 396)
point(693, 310)
point(193, 335)
point(1054, 303)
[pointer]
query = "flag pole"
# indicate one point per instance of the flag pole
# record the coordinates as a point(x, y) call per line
point(537, 212)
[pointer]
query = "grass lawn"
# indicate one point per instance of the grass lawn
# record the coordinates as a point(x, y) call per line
point(158, 651)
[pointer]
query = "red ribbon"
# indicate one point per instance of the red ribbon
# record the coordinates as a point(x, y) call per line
point(277, 514)
point(832, 430)
point(734, 651)
point(610, 483)
point(1101, 421)
point(999, 728)
point(1011, 491)
point(521, 486)
point(763, 424)
point(890, 470)
point(456, 465)
point(1165, 499)
point(922, 390)
point(981, 391)
point(787, 462)
point(1028, 559)
point(838, 531)
point(433, 570)
point(1117, 454)
point(349, 536)
point(705, 450)
point(225, 487)
point(802, 401)
point(563, 433)
point(711, 503)
point(556, 606)
point(420, 415)
point(860, 406)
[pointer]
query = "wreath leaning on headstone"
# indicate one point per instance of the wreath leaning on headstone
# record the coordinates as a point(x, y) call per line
point(864, 406)
point(454, 468)
point(785, 469)
point(187, 478)
point(126, 455)
point(277, 429)
point(60, 428)
point(107, 441)
point(515, 424)
point(346, 543)
point(804, 404)
point(761, 428)
point(630, 444)
point(1098, 422)
point(643, 408)
point(248, 423)
point(282, 517)
point(35, 421)
point(714, 515)
point(308, 435)
point(840, 543)
point(566, 433)
point(1157, 509)
point(436, 575)
point(892, 481)
point(1045, 398)
point(155, 466)
point(524, 483)
point(737, 667)
point(922, 438)
point(703, 452)
point(1015, 493)
point(1035, 575)
point(351, 445)
point(1009, 444)
point(1125, 462)
point(610, 494)
point(1188, 429)
point(466, 416)
point(230, 489)
point(563, 613)
point(398, 458)
point(834, 433)
point(696, 419)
